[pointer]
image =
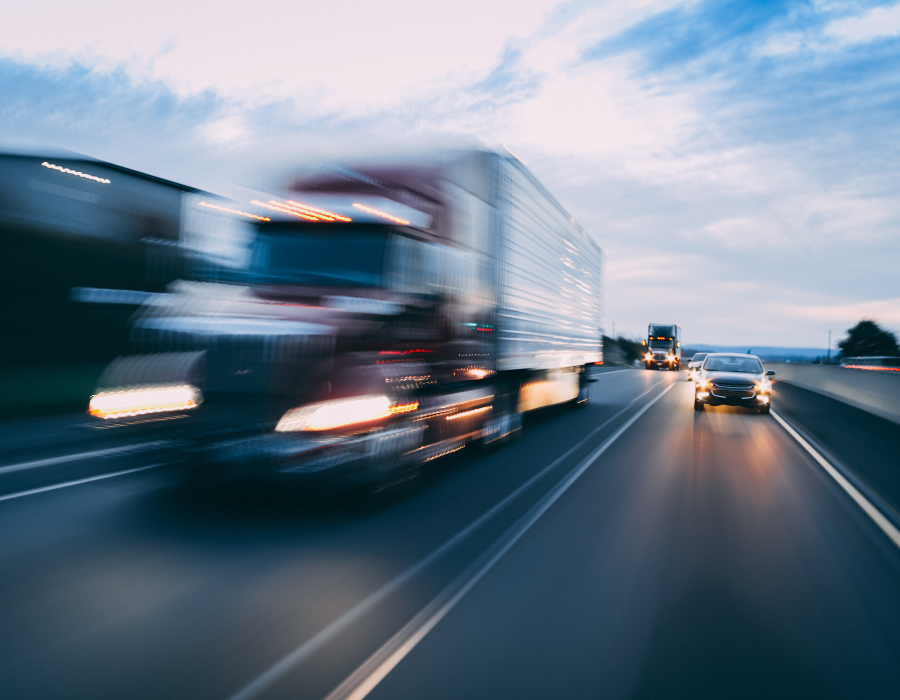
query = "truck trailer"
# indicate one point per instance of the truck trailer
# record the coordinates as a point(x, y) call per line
point(383, 314)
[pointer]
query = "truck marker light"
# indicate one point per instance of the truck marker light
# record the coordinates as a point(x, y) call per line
point(101, 180)
point(370, 210)
point(233, 211)
point(405, 408)
point(466, 414)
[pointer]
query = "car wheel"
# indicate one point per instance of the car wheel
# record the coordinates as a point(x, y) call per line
point(698, 405)
point(764, 410)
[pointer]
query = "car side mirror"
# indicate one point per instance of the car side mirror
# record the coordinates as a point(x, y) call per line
point(770, 373)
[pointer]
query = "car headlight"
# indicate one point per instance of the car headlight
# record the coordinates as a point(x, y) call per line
point(341, 413)
point(762, 387)
point(704, 384)
point(140, 401)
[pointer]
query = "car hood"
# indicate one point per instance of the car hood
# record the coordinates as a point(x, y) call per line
point(734, 378)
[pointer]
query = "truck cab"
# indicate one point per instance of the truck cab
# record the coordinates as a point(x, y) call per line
point(662, 348)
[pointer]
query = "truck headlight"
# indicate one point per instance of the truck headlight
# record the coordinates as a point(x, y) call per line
point(341, 413)
point(140, 401)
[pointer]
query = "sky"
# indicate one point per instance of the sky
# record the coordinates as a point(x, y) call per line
point(738, 162)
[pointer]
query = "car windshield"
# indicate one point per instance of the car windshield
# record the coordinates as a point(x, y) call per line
point(749, 365)
point(699, 357)
point(340, 256)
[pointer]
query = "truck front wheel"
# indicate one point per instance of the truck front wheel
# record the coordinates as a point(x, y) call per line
point(505, 421)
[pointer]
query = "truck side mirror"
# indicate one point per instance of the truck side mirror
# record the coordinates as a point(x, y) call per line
point(770, 373)
point(678, 344)
point(643, 342)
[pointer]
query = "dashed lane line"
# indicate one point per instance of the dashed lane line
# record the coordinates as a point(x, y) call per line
point(284, 666)
point(358, 685)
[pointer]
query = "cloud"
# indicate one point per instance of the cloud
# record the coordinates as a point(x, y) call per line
point(878, 23)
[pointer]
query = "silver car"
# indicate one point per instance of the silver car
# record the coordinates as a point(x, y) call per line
point(694, 365)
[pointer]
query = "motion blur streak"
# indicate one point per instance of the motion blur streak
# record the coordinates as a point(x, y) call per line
point(336, 414)
point(314, 210)
point(233, 211)
point(389, 217)
point(144, 400)
point(101, 180)
point(275, 206)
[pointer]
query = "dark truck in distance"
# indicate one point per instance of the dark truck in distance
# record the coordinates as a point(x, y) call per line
point(383, 315)
point(663, 346)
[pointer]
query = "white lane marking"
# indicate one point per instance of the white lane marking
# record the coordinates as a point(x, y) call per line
point(66, 484)
point(383, 661)
point(887, 527)
point(281, 668)
point(80, 455)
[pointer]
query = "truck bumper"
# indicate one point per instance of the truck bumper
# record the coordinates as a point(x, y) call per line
point(340, 461)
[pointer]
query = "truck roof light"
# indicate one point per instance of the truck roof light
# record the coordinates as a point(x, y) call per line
point(318, 212)
point(389, 217)
point(233, 211)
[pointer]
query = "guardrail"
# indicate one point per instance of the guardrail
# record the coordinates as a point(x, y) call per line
point(875, 392)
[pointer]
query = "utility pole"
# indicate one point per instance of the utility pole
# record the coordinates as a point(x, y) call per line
point(829, 347)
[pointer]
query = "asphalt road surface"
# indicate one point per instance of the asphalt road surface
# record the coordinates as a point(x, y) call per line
point(632, 549)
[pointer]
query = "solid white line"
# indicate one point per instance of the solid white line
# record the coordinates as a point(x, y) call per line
point(281, 668)
point(66, 484)
point(887, 527)
point(75, 457)
point(380, 664)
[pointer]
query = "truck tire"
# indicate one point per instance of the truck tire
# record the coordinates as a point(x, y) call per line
point(505, 423)
point(584, 392)
point(390, 465)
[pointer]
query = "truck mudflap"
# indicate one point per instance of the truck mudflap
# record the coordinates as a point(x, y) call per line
point(350, 460)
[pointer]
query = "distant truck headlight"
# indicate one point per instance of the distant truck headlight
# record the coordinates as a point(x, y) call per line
point(139, 401)
point(341, 413)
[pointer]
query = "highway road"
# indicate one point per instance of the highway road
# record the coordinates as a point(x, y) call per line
point(632, 549)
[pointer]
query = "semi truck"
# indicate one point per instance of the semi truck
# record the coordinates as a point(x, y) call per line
point(383, 314)
point(662, 346)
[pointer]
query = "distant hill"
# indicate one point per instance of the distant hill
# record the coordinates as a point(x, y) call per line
point(765, 352)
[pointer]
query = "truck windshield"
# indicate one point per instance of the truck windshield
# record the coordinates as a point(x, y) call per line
point(340, 256)
point(660, 343)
